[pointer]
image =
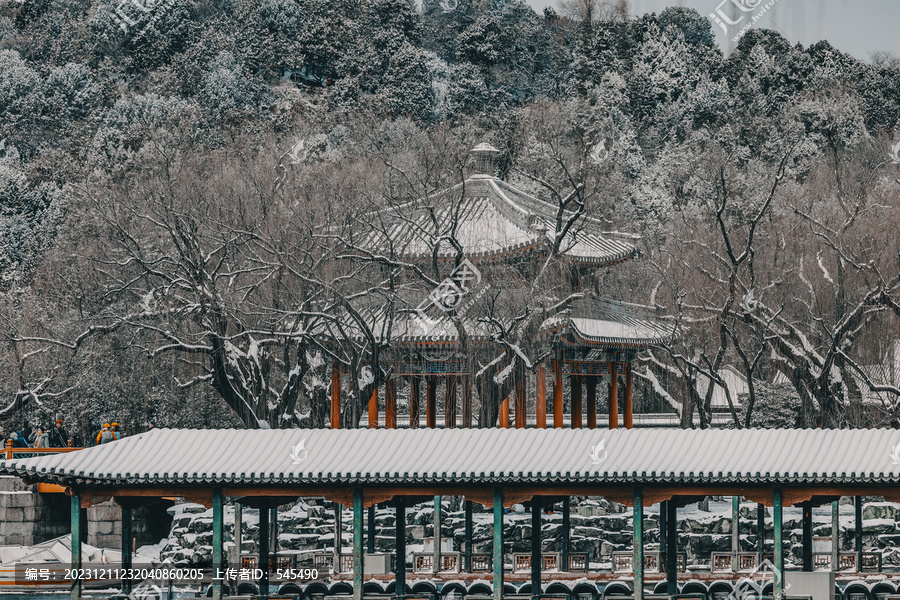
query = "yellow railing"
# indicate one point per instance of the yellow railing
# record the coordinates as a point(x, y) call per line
point(11, 451)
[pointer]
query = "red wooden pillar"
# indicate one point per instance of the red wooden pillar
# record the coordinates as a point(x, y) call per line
point(450, 402)
point(540, 398)
point(335, 395)
point(503, 418)
point(558, 396)
point(430, 408)
point(613, 397)
point(575, 385)
point(414, 402)
point(521, 411)
point(592, 401)
point(390, 404)
point(628, 416)
point(373, 409)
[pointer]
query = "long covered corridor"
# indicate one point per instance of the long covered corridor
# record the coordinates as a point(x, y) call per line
point(496, 469)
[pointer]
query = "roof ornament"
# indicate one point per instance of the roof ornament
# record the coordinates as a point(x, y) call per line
point(485, 159)
point(536, 223)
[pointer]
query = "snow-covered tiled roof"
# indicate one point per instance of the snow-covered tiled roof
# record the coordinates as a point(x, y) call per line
point(591, 321)
point(599, 321)
point(476, 456)
point(493, 220)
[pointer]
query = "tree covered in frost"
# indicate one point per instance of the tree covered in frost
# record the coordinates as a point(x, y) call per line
point(169, 174)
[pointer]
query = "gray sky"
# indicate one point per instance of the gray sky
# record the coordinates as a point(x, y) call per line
point(857, 27)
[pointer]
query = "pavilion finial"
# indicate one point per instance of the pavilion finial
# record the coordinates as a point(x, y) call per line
point(485, 159)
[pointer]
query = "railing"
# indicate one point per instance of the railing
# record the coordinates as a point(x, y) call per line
point(324, 562)
point(578, 562)
point(549, 561)
point(424, 562)
point(481, 563)
point(450, 561)
point(10, 451)
point(276, 562)
point(721, 561)
point(653, 562)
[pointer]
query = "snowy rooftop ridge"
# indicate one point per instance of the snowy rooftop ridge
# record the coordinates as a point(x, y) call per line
point(477, 456)
point(491, 220)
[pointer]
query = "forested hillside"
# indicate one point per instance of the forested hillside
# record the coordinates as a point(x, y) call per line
point(168, 168)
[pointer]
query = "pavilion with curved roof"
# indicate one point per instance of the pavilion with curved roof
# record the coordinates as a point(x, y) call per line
point(476, 227)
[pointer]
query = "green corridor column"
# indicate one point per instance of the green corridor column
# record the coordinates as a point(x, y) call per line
point(778, 554)
point(468, 536)
point(760, 532)
point(262, 544)
point(671, 547)
point(735, 531)
point(400, 533)
point(370, 535)
point(637, 560)
point(75, 507)
point(358, 550)
point(566, 530)
point(835, 536)
point(126, 544)
point(807, 537)
point(217, 541)
point(498, 543)
point(536, 547)
point(436, 530)
point(857, 531)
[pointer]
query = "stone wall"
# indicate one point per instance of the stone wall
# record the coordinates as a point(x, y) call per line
point(28, 517)
point(149, 524)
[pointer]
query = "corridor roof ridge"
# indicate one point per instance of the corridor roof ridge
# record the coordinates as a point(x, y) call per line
point(475, 456)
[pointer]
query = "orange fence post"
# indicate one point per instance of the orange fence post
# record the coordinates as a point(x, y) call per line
point(9, 447)
point(613, 396)
point(390, 404)
point(541, 400)
point(558, 396)
point(503, 417)
point(373, 409)
point(628, 396)
point(336, 395)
